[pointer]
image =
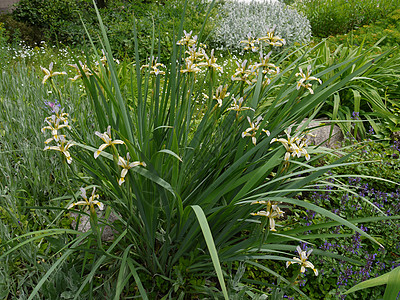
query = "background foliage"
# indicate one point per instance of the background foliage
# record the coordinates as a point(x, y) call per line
point(334, 17)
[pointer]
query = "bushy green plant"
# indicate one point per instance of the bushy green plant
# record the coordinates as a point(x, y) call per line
point(54, 17)
point(3, 36)
point(386, 30)
point(60, 21)
point(236, 20)
point(16, 31)
point(159, 16)
point(206, 163)
point(367, 100)
point(340, 16)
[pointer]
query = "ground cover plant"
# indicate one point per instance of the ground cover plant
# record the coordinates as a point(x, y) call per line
point(367, 183)
point(203, 172)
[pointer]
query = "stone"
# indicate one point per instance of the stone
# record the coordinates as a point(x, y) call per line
point(84, 224)
point(321, 129)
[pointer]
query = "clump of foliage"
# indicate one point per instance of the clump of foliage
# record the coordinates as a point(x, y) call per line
point(340, 16)
point(192, 170)
point(16, 31)
point(370, 100)
point(61, 21)
point(382, 157)
point(238, 19)
point(386, 30)
point(54, 18)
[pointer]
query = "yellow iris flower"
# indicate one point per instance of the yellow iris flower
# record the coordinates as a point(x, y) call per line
point(252, 130)
point(63, 147)
point(154, 67)
point(294, 145)
point(106, 137)
point(126, 165)
point(85, 70)
point(48, 73)
point(91, 202)
point(272, 211)
point(302, 261)
point(210, 61)
point(305, 77)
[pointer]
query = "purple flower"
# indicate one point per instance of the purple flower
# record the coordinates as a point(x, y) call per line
point(53, 106)
point(355, 115)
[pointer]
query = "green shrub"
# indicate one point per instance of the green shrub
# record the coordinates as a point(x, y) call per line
point(60, 22)
point(3, 36)
point(334, 17)
point(152, 17)
point(385, 29)
point(16, 31)
point(54, 17)
point(366, 101)
point(235, 21)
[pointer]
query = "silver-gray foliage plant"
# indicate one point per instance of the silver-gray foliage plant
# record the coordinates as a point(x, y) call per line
point(257, 17)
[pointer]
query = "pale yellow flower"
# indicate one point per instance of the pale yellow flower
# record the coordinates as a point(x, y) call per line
point(302, 261)
point(252, 130)
point(106, 137)
point(91, 202)
point(272, 39)
point(268, 68)
point(85, 70)
point(220, 94)
point(190, 67)
point(272, 211)
point(237, 105)
point(48, 73)
point(126, 165)
point(54, 126)
point(154, 67)
point(294, 145)
point(56, 138)
point(210, 62)
point(250, 43)
point(103, 60)
point(187, 39)
point(305, 77)
point(196, 54)
point(243, 72)
point(63, 147)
